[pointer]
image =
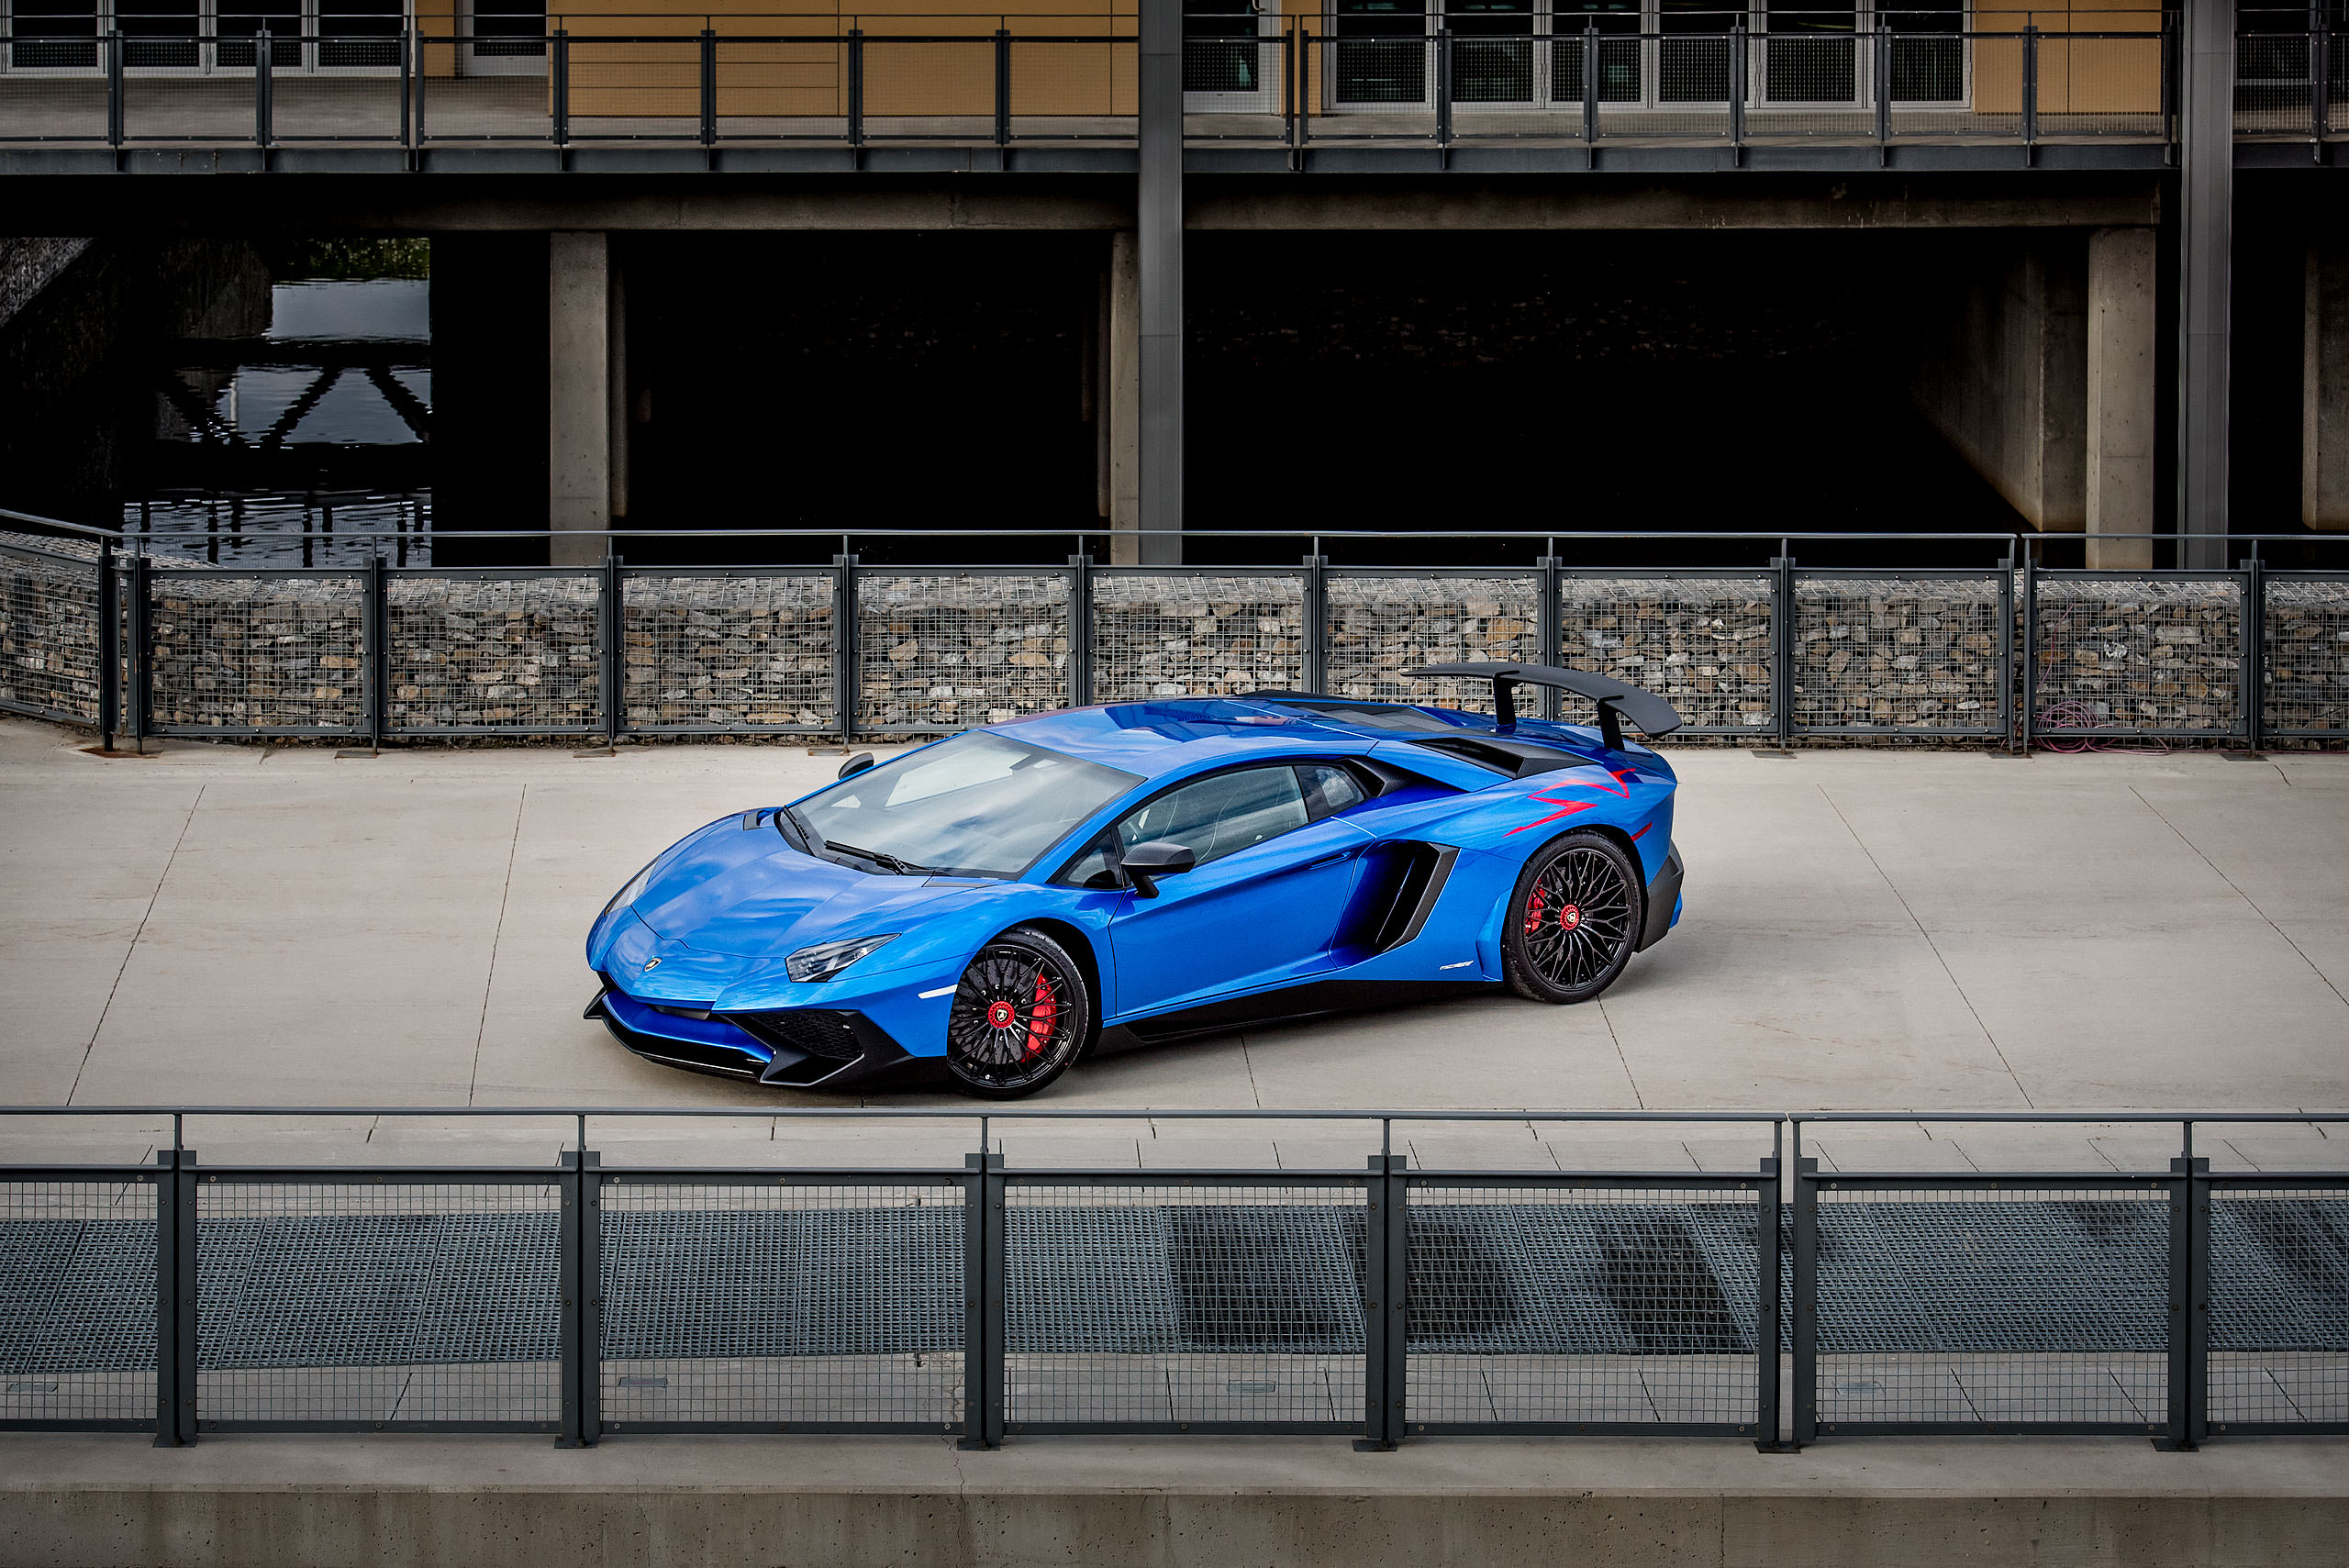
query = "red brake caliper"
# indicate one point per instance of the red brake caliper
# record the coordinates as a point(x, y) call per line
point(1534, 905)
point(1043, 1016)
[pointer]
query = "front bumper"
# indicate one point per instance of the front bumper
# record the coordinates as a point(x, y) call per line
point(1664, 900)
point(801, 1049)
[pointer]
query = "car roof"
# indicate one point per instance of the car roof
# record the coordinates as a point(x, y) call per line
point(1176, 734)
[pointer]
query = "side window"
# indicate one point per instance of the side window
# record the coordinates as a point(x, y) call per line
point(1221, 815)
point(1329, 789)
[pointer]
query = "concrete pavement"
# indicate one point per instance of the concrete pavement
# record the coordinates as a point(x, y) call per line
point(1866, 931)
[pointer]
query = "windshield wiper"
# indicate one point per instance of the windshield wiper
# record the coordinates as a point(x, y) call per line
point(794, 831)
point(889, 862)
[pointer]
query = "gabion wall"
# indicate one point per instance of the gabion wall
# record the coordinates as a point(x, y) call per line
point(1898, 654)
point(1703, 642)
point(946, 653)
point(2138, 653)
point(49, 629)
point(2308, 655)
point(1380, 626)
point(493, 653)
point(726, 652)
point(258, 652)
point(1171, 636)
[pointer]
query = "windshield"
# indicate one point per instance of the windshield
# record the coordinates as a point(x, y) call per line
point(975, 806)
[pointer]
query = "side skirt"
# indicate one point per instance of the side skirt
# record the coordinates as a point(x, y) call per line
point(1313, 999)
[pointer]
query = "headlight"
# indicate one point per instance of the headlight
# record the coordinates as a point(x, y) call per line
point(828, 959)
point(628, 895)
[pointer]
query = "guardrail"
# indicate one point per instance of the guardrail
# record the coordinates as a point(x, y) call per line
point(1779, 1302)
point(142, 644)
point(1282, 81)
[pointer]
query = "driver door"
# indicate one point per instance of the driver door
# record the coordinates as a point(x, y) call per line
point(1274, 874)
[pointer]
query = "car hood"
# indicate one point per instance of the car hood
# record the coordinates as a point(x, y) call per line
point(750, 895)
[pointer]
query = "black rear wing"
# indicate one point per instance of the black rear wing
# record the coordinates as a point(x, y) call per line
point(1617, 701)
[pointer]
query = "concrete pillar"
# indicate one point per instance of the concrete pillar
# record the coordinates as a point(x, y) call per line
point(2004, 375)
point(2122, 332)
point(2205, 283)
point(1124, 332)
point(579, 396)
point(2325, 384)
point(1158, 211)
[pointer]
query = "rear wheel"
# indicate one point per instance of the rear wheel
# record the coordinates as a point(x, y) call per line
point(1573, 919)
point(1021, 1015)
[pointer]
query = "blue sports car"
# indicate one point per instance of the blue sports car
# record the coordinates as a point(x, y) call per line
point(1005, 900)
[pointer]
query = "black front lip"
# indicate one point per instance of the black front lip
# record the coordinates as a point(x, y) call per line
point(789, 1068)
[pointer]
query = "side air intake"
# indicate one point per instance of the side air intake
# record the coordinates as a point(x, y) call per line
point(1425, 869)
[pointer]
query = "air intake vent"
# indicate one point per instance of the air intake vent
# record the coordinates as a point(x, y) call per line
point(819, 1033)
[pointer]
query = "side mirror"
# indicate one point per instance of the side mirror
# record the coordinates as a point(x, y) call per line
point(1145, 863)
point(856, 765)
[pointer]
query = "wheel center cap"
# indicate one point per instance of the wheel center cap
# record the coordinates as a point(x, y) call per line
point(1570, 916)
point(999, 1015)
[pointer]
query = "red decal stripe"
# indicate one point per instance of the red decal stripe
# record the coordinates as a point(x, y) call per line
point(1618, 782)
point(1642, 833)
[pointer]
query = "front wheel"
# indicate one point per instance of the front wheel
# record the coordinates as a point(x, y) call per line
point(1573, 919)
point(1021, 1015)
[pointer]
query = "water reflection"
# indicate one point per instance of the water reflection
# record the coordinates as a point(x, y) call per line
point(280, 438)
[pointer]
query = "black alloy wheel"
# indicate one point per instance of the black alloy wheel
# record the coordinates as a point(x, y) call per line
point(1021, 1015)
point(1572, 920)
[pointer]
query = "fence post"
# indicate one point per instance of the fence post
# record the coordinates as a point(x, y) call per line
point(2030, 93)
point(983, 1310)
point(2319, 80)
point(559, 87)
point(1782, 650)
point(416, 89)
point(1386, 1289)
point(1590, 82)
point(142, 695)
point(109, 648)
point(1080, 630)
point(844, 671)
point(2255, 652)
point(2169, 85)
point(2189, 1305)
point(175, 1411)
point(1882, 74)
point(1805, 1302)
point(114, 90)
point(611, 639)
point(1304, 93)
point(1292, 99)
point(1443, 87)
point(2029, 615)
point(1314, 659)
point(1549, 626)
point(856, 86)
point(407, 60)
point(708, 87)
point(1737, 69)
point(1002, 87)
point(374, 653)
point(2007, 672)
point(583, 1297)
point(1768, 1334)
point(261, 65)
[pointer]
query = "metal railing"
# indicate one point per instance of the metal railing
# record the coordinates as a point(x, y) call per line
point(137, 643)
point(859, 81)
point(587, 1299)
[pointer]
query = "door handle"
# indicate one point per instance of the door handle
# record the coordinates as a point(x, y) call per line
point(1330, 860)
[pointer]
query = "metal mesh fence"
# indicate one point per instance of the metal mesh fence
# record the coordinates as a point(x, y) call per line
point(728, 651)
point(2279, 1306)
point(1182, 1306)
point(1165, 635)
point(1063, 89)
point(947, 651)
point(77, 1302)
point(1703, 641)
point(2001, 1307)
point(1583, 1307)
point(258, 652)
point(324, 1303)
point(2274, 89)
point(492, 651)
point(758, 1303)
point(2307, 633)
point(340, 103)
point(49, 635)
point(1380, 626)
point(2141, 654)
point(789, 84)
point(43, 108)
point(469, 107)
point(1899, 653)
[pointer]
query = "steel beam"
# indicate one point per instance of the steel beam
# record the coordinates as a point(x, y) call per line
point(1159, 226)
point(2205, 242)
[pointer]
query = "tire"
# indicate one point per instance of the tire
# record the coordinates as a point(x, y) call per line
point(1573, 919)
point(1021, 1014)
